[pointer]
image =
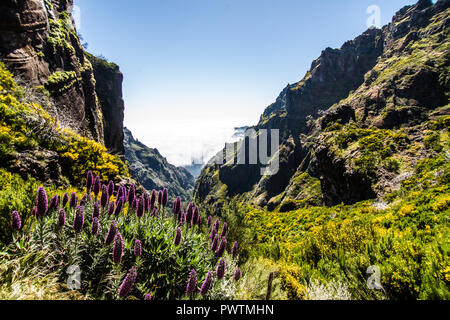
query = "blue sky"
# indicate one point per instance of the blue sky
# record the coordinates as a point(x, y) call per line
point(194, 69)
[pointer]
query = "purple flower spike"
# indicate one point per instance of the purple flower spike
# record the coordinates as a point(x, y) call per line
point(192, 282)
point(61, 218)
point(207, 284)
point(83, 200)
point(73, 200)
point(41, 202)
point(95, 226)
point(96, 212)
point(177, 207)
point(128, 282)
point(117, 249)
point(155, 211)
point(140, 207)
point(89, 181)
point(65, 199)
point(182, 218)
point(237, 274)
point(135, 204)
point(209, 221)
point(110, 188)
point(78, 222)
point(220, 271)
point(148, 296)
point(222, 247)
point(165, 197)
point(153, 198)
point(105, 196)
point(213, 233)
point(120, 195)
point(112, 231)
point(54, 203)
point(234, 250)
point(97, 185)
point(137, 248)
point(195, 214)
point(16, 223)
point(111, 208)
point(178, 237)
point(118, 207)
point(160, 197)
point(215, 242)
point(131, 194)
point(224, 230)
point(34, 212)
point(146, 201)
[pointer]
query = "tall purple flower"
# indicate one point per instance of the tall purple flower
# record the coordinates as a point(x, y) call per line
point(234, 250)
point(128, 282)
point(73, 200)
point(96, 212)
point(34, 212)
point(178, 205)
point(97, 185)
point(222, 247)
point(220, 271)
point(117, 248)
point(137, 248)
point(131, 194)
point(215, 242)
point(118, 207)
point(83, 200)
point(140, 207)
point(89, 181)
point(195, 214)
point(120, 195)
point(153, 198)
point(110, 188)
point(65, 199)
point(61, 218)
point(105, 196)
point(135, 203)
point(213, 233)
point(148, 296)
point(111, 208)
point(160, 197)
point(237, 274)
point(165, 197)
point(54, 203)
point(199, 220)
point(95, 226)
point(207, 284)
point(192, 282)
point(216, 225)
point(78, 221)
point(224, 230)
point(41, 202)
point(189, 213)
point(155, 211)
point(146, 201)
point(178, 237)
point(182, 218)
point(112, 231)
point(16, 223)
point(209, 221)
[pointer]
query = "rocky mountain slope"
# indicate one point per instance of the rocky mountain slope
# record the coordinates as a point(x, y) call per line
point(153, 171)
point(354, 127)
point(39, 44)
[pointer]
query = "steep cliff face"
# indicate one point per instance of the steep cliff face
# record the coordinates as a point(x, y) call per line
point(354, 102)
point(39, 44)
point(153, 171)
